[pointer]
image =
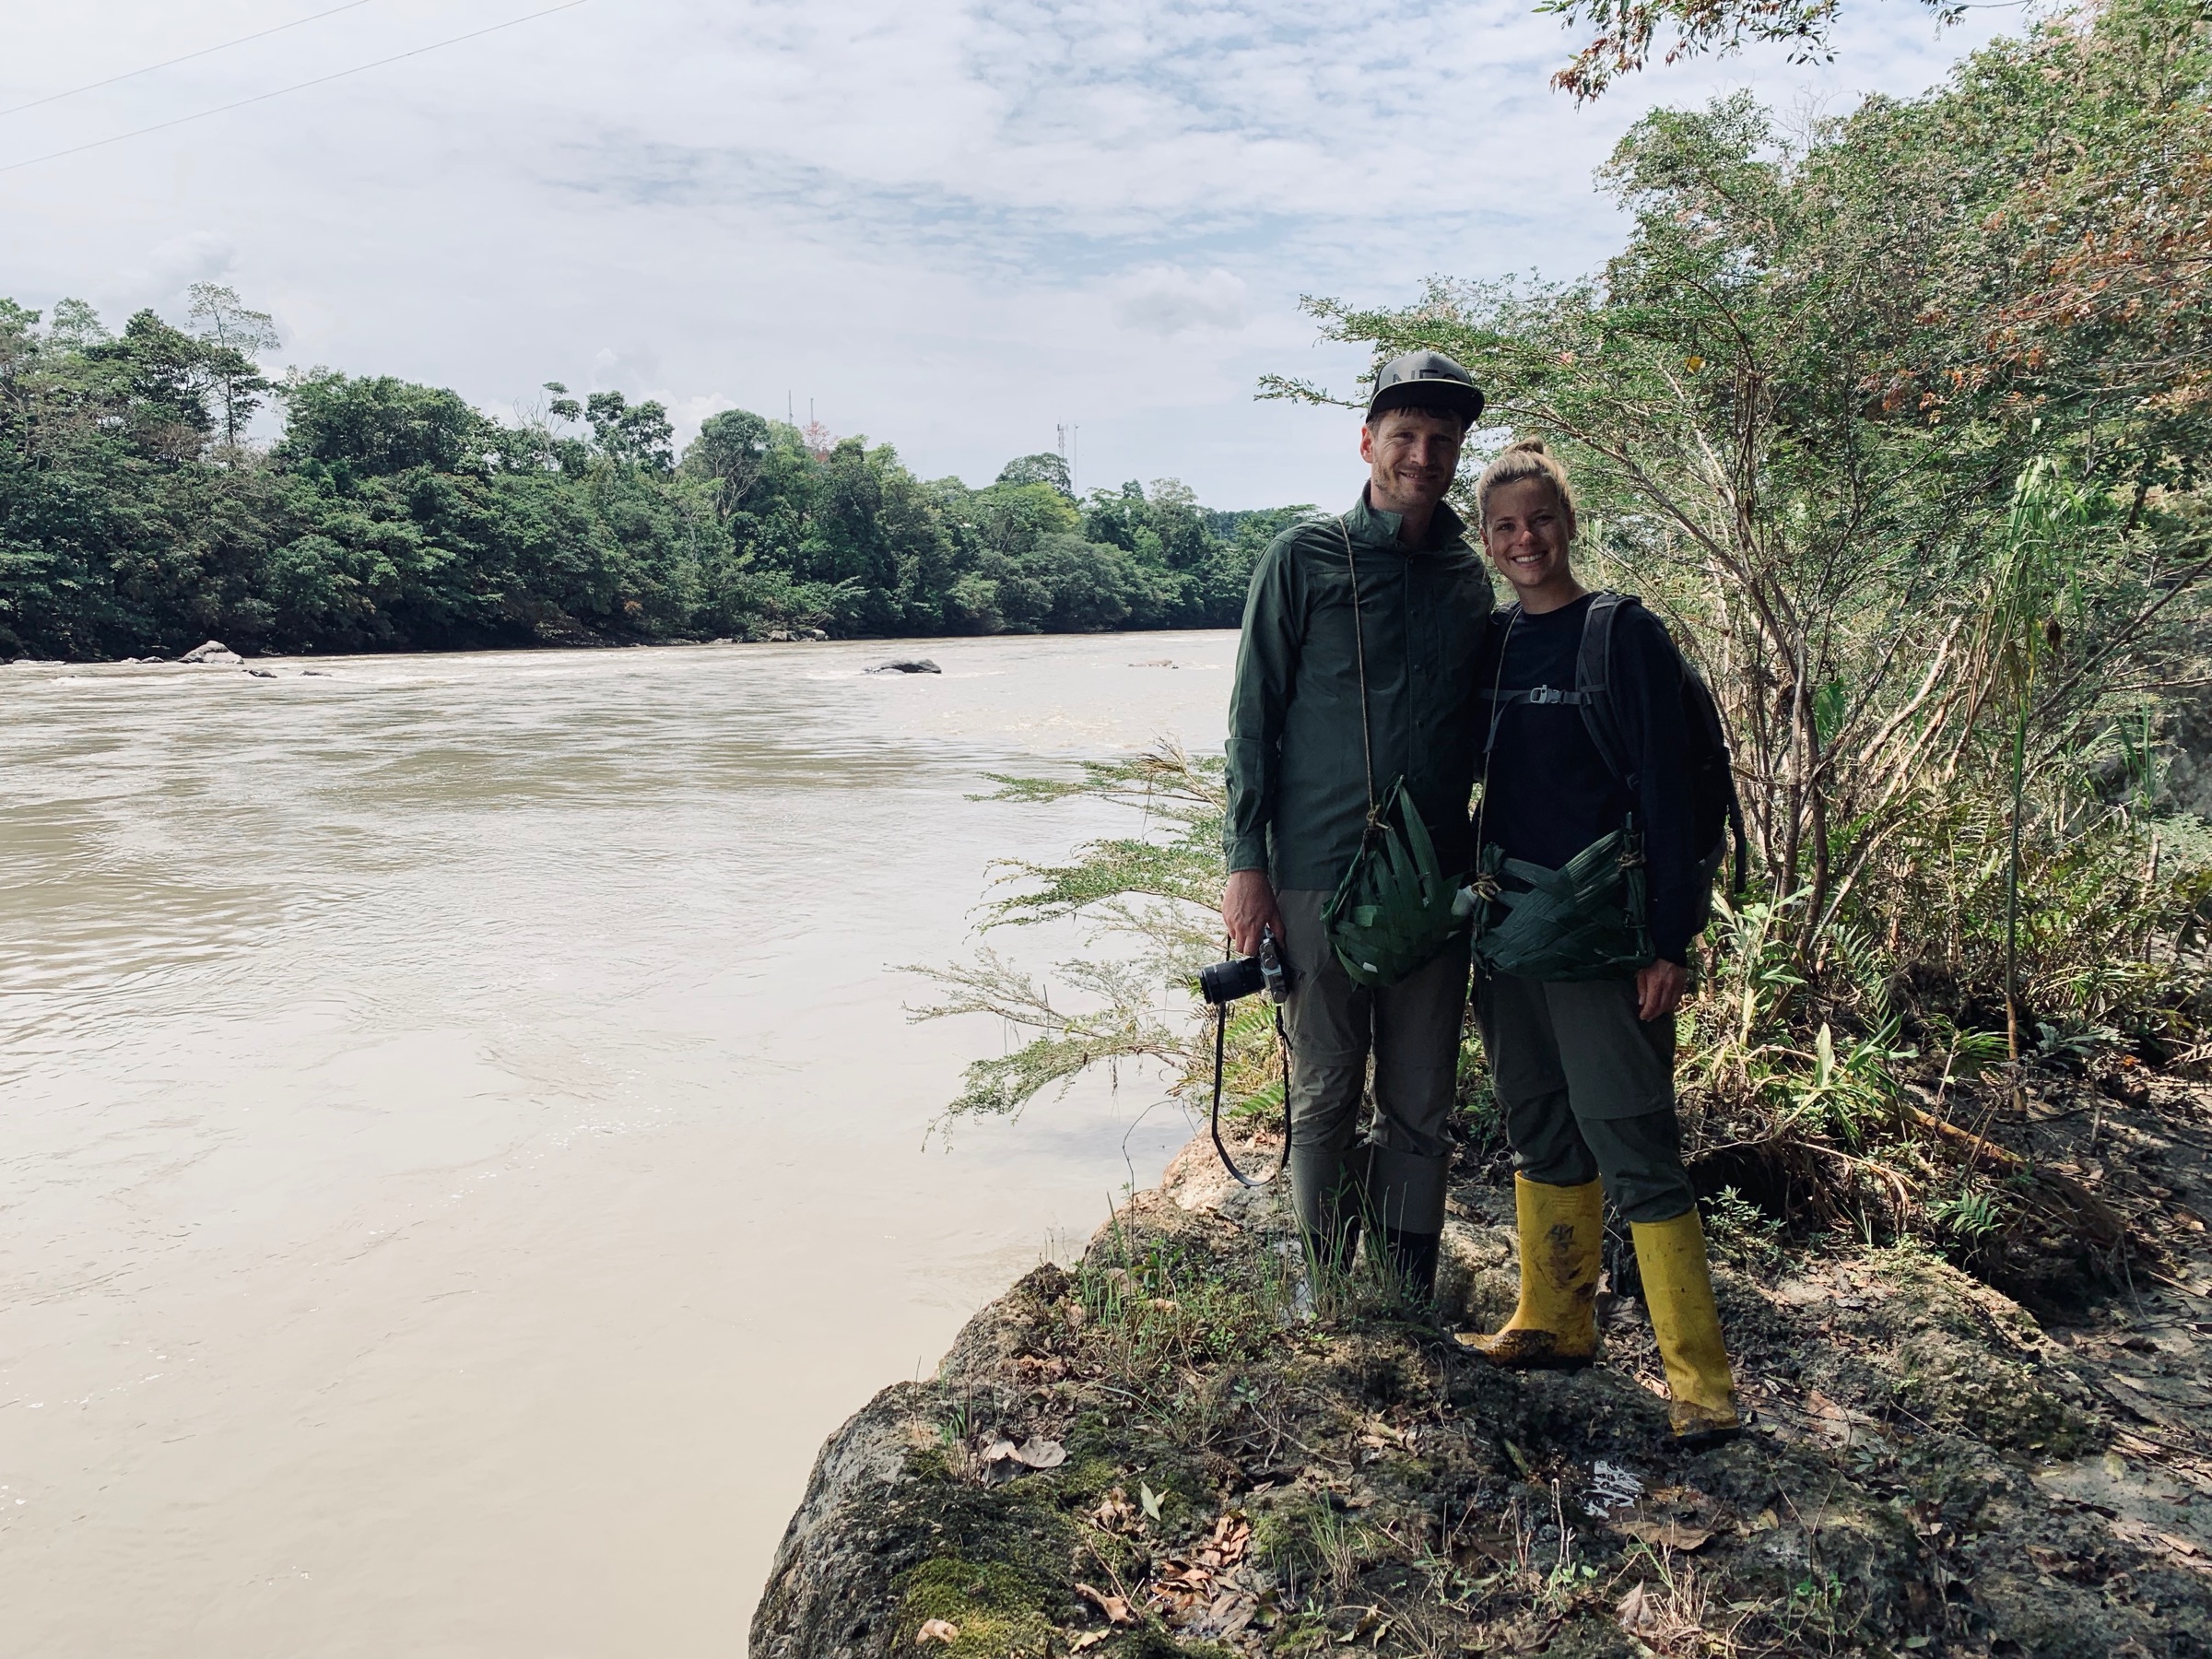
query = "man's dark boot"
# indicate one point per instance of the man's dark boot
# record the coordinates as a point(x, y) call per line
point(1412, 1258)
point(1405, 1187)
point(1326, 1190)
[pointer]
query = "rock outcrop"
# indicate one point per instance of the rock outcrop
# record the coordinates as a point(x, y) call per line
point(1234, 1466)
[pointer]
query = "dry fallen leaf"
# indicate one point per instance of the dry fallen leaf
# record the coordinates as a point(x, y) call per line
point(1088, 1638)
point(1226, 1546)
point(937, 1629)
point(1116, 1608)
point(1372, 1623)
point(1231, 1611)
point(1634, 1611)
point(1042, 1453)
point(1668, 1534)
point(2144, 1534)
point(1835, 1419)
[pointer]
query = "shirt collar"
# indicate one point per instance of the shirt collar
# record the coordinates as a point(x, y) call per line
point(1375, 527)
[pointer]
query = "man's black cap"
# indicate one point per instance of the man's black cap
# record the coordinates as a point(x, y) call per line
point(1426, 380)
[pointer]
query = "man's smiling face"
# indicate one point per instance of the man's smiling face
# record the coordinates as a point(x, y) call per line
point(1414, 457)
point(1526, 535)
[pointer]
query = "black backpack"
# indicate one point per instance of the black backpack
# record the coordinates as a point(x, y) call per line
point(1717, 814)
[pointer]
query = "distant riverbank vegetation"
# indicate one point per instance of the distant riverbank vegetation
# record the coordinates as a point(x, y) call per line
point(135, 517)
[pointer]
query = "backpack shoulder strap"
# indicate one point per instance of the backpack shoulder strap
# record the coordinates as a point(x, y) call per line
point(1594, 685)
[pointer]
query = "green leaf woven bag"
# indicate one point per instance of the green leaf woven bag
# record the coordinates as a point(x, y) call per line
point(1586, 920)
point(1392, 914)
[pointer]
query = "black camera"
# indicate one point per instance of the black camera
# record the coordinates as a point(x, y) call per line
point(1241, 976)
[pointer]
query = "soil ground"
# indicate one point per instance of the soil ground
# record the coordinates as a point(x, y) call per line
point(1173, 1449)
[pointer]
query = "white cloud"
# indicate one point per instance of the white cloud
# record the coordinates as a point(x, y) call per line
point(1167, 300)
point(689, 414)
point(951, 223)
point(197, 257)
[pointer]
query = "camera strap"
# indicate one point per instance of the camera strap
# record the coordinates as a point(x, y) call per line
point(1282, 1039)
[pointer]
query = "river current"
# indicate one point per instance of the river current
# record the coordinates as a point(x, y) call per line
point(466, 1147)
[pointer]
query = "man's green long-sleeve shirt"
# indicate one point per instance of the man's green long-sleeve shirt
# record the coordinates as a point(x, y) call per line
point(1297, 794)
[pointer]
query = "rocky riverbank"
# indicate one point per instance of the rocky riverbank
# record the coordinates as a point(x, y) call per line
point(1170, 1450)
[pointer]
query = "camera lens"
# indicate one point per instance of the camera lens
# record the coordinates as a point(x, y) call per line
point(1226, 982)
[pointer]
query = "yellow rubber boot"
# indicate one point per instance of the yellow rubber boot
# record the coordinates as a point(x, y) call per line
point(1678, 1289)
point(1562, 1233)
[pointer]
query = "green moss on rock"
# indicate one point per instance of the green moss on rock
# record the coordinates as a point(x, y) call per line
point(999, 1611)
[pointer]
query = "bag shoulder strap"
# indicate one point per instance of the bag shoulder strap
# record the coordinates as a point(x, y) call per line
point(1594, 685)
point(1367, 740)
point(1601, 718)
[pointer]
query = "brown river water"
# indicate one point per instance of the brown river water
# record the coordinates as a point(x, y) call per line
point(464, 1146)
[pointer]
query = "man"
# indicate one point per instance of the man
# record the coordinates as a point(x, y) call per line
point(1356, 669)
point(1581, 1056)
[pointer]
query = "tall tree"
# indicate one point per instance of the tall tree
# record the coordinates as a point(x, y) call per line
point(233, 333)
point(1622, 33)
point(1045, 468)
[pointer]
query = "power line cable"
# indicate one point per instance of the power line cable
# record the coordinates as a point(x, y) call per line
point(172, 63)
point(319, 81)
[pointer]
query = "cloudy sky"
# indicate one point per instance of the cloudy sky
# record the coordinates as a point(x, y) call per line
point(949, 226)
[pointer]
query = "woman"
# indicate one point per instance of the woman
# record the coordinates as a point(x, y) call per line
point(1581, 973)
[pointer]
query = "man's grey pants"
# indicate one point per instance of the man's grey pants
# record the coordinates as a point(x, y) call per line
point(1413, 1028)
point(1587, 1090)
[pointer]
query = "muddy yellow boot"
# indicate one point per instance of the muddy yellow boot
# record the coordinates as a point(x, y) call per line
point(1677, 1290)
point(1561, 1231)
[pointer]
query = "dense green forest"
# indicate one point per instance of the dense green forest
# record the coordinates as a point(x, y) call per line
point(137, 518)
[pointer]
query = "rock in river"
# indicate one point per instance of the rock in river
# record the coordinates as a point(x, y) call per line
point(907, 666)
point(215, 650)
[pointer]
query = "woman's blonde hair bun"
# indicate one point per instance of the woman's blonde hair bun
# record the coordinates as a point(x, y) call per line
point(1519, 461)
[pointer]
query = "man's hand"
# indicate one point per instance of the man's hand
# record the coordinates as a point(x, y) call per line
point(1247, 905)
point(1659, 988)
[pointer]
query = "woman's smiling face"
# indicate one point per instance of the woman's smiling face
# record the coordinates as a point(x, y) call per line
point(1526, 535)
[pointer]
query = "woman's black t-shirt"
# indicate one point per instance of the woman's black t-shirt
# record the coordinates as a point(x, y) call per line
point(1548, 792)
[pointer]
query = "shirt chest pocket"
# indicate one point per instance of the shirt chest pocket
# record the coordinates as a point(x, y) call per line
point(1329, 597)
point(1330, 648)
